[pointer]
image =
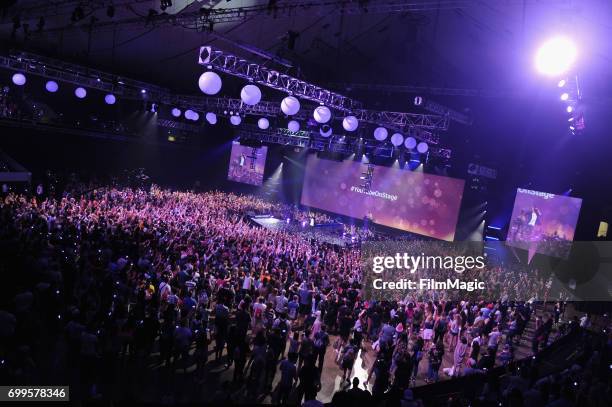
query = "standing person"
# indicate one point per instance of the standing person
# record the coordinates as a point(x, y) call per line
point(459, 356)
point(440, 327)
point(288, 378)
point(284, 331)
point(380, 369)
point(417, 356)
point(347, 361)
point(309, 381)
point(321, 341)
point(221, 325)
point(455, 327)
point(306, 349)
point(436, 353)
point(428, 331)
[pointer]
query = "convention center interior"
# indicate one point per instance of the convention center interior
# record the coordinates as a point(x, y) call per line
point(306, 202)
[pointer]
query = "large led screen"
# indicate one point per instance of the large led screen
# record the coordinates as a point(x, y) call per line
point(542, 222)
point(247, 164)
point(402, 199)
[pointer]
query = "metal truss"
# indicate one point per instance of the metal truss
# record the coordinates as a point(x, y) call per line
point(434, 107)
point(420, 126)
point(236, 66)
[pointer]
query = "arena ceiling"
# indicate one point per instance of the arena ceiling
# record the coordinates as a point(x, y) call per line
point(482, 45)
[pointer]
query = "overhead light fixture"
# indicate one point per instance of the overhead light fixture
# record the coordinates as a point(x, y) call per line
point(556, 56)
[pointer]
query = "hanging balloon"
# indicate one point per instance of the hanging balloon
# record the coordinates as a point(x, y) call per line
point(110, 99)
point(293, 126)
point(19, 79)
point(250, 94)
point(80, 93)
point(422, 147)
point(211, 118)
point(263, 123)
point(410, 143)
point(235, 120)
point(325, 130)
point(51, 86)
point(397, 139)
point(210, 83)
point(350, 123)
point(290, 105)
point(322, 114)
point(176, 112)
point(380, 134)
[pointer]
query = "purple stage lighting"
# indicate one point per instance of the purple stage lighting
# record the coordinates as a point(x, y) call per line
point(556, 56)
point(176, 112)
point(19, 79)
point(570, 109)
point(564, 96)
point(110, 99)
point(80, 93)
point(51, 86)
point(562, 83)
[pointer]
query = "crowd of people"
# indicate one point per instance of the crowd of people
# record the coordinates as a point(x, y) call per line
point(184, 279)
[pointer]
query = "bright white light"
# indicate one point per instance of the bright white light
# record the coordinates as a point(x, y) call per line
point(322, 114)
point(564, 96)
point(570, 109)
point(290, 105)
point(210, 83)
point(556, 56)
point(51, 86)
point(350, 123)
point(19, 79)
point(561, 83)
point(110, 99)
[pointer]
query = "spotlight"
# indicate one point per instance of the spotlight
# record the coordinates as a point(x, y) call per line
point(143, 91)
point(154, 107)
point(556, 56)
point(569, 109)
point(562, 83)
point(564, 96)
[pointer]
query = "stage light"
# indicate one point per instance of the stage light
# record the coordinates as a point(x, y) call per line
point(263, 123)
point(381, 133)
point(572, 128)
point(562, 83)
point(556, 56)
point(51, 86)
point(322, 114)
point(143, 91)
point(154, 108)
point(350, 123)
point(325, 131)
point(110, 99)
point(176, 112)
point(80, 92)
point(210, 83)
point(19, 79)
point(564, 96)
point(250, 94)
point(422, 147)
point(235, 120)
point(397, 139)
point(211, 118)
point(290, 105)
point(569, 109)
point(410, 143)
point(293, 126)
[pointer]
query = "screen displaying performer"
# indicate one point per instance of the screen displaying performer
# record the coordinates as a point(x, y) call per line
point(399, 198)
point(247, 164)
point(543, 222)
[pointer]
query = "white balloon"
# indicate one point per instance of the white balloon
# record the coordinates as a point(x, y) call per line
point(410, 143)
point(110, 99)
point(322, 114)
point(381, 133)
point(397, 139)
point(235, 120)
point(422, 147)
point(290, 105)
point(263, 123)
point(176, 112)
point(250, 94)
point(189, 114)
point(19, 79)
point(51, 86)
point(210, 83)
point(195, 116)
point(293, 126)
point(350, 123)
point(325, 131)
point(211, 118)
point(80, 93)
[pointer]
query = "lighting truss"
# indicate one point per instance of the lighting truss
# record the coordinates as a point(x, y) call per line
point(233, 65)
point(428, 90)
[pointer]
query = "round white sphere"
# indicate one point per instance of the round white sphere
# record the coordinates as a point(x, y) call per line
point(235, 120)
point(210, 83)
point(263, 123)
point(381, 134)
point(176, 112)
point(80, 92)
point(188, 114)
point(422, 147)
point(397, 139)
point(51, 86)
point(195, 116)
point(350, 123)
point(325, 131)
point(211, 118)
point(19, 79)
point(410, 143)
point(250, 94)
point(110, 99)
point(322, 114)
point(290, 105)
point(293, 126)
